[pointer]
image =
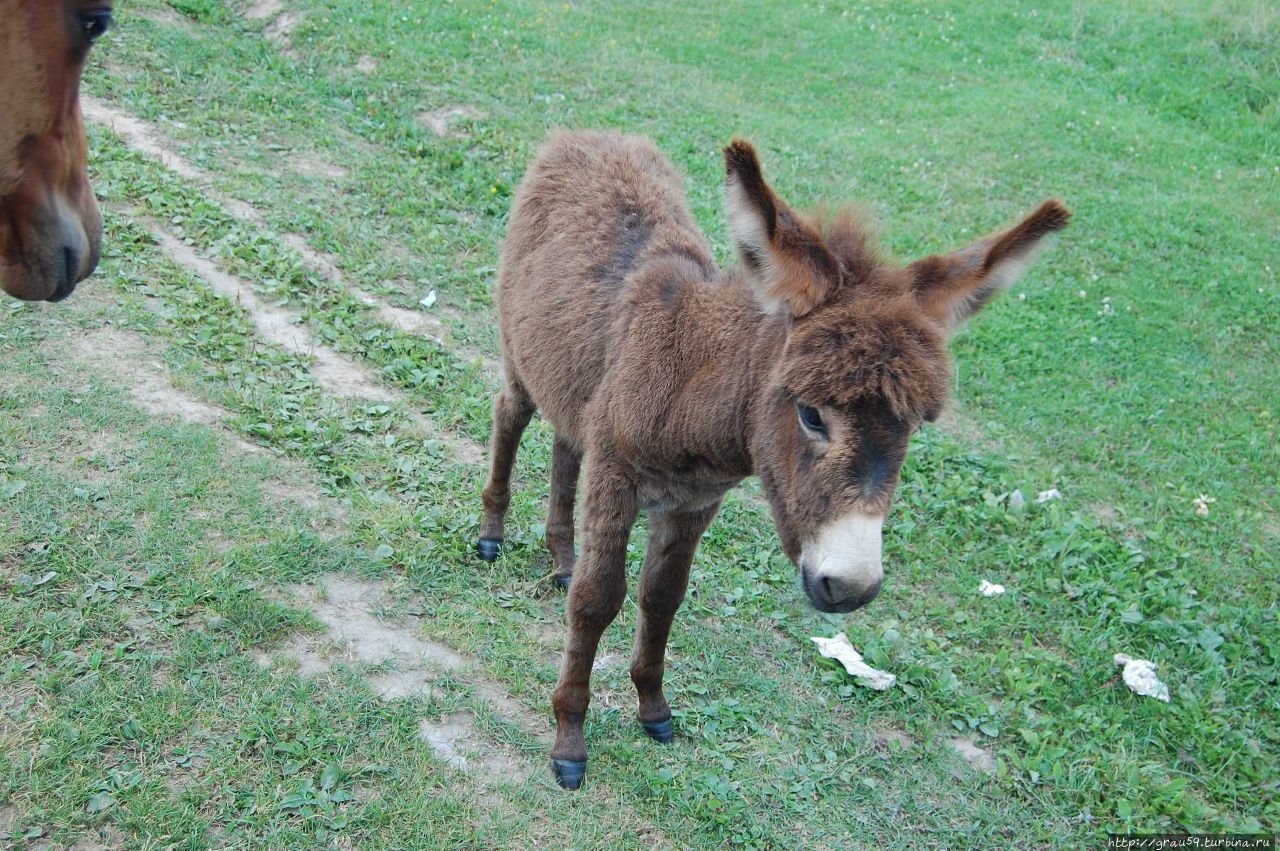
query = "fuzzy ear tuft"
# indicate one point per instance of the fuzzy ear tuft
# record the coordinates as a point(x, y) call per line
point(784, 258)
point(953, 287)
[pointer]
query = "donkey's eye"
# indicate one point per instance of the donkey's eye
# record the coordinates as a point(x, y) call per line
point(94, 24)
point(811, 420)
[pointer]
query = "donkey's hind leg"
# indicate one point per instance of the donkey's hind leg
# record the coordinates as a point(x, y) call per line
point(566, 461)
point(512, 410)
point(673, 538)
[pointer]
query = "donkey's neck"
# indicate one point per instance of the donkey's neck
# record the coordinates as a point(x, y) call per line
point(703, 354)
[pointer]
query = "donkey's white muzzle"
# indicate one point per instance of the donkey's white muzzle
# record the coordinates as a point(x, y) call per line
point(841, 567)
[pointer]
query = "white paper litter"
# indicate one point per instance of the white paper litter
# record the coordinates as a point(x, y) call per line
point(1017, 501)
point(429, 300)
point(1140, 676)
point(1045, 496)
point(990, 589)
point(840, 649)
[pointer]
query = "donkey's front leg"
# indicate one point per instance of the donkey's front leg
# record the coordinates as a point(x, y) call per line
point(673, 538)
point(599, 586)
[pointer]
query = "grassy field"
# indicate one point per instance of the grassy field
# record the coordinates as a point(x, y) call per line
point(244, 461)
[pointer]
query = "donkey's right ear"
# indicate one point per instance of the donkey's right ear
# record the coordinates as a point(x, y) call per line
point(784, 258)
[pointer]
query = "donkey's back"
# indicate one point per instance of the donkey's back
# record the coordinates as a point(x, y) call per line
point(593, 208)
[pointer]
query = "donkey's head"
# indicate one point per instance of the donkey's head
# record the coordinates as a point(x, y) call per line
point(864, 364)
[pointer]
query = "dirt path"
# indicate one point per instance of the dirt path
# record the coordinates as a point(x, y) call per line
point(149, 141)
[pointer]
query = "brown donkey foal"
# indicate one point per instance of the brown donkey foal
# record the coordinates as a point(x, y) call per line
point(811, 364)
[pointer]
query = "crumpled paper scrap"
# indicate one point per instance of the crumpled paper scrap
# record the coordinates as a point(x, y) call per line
point(841, 650)
point(990, 589)
point(1046, 496)
point(1140, 676)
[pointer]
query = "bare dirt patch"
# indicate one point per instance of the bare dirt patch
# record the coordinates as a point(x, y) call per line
point(125, 355)
point(889, 739)
point(279, 30)
point(313, 165)
point(138, 135)
point(8, 821)
point(165, 15)
point(365, 64)
point(350, 609)
point(959, 424)
point(260, 10)
point(409, 321)
point(974, 756)
point(456, 742)
point(408, 665)
point(104, 839)
point(441, 121)
point(1105, 512)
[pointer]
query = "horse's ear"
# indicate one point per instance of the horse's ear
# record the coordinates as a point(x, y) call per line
point(953, 287)
point(785, 259)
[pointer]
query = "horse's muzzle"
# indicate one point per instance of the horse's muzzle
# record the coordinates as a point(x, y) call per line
point(63, 251)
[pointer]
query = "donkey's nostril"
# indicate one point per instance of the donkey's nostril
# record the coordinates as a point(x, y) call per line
point(835, 594)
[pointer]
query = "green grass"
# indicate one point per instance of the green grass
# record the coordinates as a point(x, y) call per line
point(1136, 374)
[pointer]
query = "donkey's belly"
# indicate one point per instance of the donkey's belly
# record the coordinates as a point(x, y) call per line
point(663, 492)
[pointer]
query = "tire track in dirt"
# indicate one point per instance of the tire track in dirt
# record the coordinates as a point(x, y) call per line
point(336, 375)
point(150, 142)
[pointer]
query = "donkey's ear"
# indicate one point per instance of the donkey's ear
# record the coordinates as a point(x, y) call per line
point(953, 287)
point(785, 259)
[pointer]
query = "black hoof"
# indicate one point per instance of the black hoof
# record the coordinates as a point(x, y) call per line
point(562, 582)
point(661, 732)
point(488, 548)
point(569, 773)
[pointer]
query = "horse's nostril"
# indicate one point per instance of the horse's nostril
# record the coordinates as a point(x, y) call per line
point(71, 265)
point(68, 274)
point(829, 592)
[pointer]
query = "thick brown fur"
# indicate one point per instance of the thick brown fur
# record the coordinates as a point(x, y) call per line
point(50, 227)
point(675, 379)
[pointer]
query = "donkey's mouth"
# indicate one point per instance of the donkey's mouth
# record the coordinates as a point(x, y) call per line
point(833, 596)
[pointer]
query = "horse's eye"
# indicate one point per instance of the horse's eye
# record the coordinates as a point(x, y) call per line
point(811, 420)
point(94, 24)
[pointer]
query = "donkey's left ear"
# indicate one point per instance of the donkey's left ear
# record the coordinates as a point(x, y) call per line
point(953, 287)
